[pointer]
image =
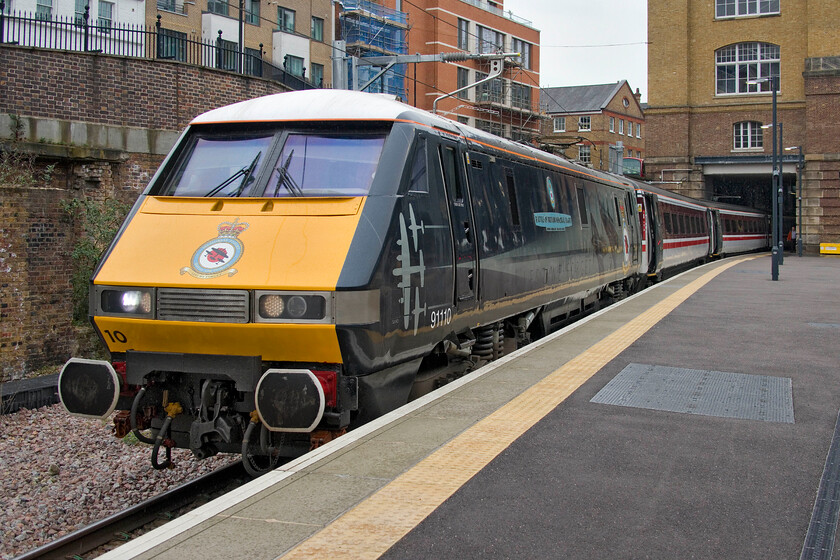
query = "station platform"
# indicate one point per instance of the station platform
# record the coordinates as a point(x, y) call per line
point(696, 419)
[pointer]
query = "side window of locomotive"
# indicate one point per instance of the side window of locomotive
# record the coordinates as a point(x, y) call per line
point(326, 165)
point(618, 212)
point(418, 180)
point(582, 207)
point(220, 165)
point(669, 226)
point(451, 177)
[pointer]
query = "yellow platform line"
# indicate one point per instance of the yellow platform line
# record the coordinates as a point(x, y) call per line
point(377, 523)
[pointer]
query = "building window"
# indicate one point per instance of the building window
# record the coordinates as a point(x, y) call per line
point(252, 12)
point(217, 7)
point(286, 19)
point(585, 155)
point(621, 126)
point(638, 130)
point(172, 45)
point(168, 6)
point(737, 8)
point(317, 76)
point(629, 129)
point(317, 29)
point(747, 62)
point(253, 62)
point(489, 92)
point(524, 50)
point(79, 14)
point(747, 135)
point(490, 41)
point(43, 9)
point(612, 124)
point(106, 11)
point(463, 81)
point(226, 54)
point(463, 34)
point(293, 65)
point(520, 96)
point(585, 124)
point(559, 124)
point(489, 126)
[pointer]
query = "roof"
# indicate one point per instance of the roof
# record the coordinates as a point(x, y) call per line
point(579, 99)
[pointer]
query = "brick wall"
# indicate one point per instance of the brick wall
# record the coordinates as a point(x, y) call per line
point(36, 235)
point(114, 90)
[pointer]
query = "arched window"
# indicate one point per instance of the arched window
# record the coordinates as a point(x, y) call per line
point(746, 68)
point(747, 135)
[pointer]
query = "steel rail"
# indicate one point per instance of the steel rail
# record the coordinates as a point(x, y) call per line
point(96, 534)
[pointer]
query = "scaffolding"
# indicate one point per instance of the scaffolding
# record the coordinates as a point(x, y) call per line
point(370, 29)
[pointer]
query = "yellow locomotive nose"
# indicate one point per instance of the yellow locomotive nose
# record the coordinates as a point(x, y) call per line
point(224, 278)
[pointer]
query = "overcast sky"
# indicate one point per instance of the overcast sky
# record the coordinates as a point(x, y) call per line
point(585, 42)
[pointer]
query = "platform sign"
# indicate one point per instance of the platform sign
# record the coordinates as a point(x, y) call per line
point(830, 248)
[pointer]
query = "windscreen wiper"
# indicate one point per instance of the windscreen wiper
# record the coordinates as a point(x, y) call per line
point(286, 180)
point(246, 171)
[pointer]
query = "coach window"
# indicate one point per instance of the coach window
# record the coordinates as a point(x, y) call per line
point(668, 227)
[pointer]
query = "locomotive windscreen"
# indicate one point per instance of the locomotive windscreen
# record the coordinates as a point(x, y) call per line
point(275, 163)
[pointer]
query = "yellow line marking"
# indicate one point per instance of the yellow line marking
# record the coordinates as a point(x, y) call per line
point(377, 523)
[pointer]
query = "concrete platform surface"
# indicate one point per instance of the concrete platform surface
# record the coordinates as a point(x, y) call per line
point(692, 420)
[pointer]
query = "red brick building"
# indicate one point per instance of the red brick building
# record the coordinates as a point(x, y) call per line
point(507, 106)
point(595, 125)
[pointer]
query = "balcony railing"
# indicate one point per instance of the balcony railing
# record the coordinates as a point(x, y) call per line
point(77, 33)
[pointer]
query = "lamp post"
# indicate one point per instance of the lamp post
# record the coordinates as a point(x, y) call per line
point(775, 183)
point(780, 234)
point(800, 164)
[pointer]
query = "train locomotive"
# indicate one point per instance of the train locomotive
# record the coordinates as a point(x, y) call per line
point(304, 262)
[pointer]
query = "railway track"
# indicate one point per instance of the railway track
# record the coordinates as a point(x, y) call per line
point(152, 513)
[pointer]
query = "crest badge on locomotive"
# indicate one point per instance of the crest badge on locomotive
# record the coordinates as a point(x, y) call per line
point(216, 257)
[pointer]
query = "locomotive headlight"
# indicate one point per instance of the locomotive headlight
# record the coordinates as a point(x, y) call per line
point(271, 306)
point(285, 307)
point(125, 301)
point(297, 307)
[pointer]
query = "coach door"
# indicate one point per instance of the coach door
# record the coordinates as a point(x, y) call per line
point(715, 234)
point(463, 237)
point(655, 241)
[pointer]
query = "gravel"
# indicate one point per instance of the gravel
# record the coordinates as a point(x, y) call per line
point(61, 473)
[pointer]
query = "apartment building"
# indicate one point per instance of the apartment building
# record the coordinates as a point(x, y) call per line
point(596, 125)
point(713, 67)
point(293, 35)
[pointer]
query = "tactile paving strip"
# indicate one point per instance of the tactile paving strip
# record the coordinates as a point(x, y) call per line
point(693, 391)
point(373, 526)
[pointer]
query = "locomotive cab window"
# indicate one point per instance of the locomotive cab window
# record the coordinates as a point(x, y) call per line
point(325, 165)
point(219, 165)
point(223, 163)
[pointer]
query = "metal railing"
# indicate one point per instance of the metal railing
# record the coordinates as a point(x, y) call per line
point(77, 33)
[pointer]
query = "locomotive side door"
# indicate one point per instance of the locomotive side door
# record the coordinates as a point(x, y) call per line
point(461, 222)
